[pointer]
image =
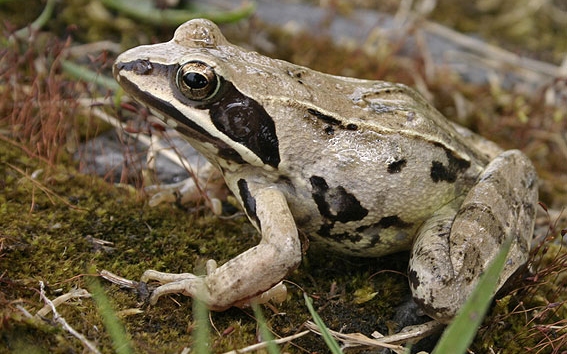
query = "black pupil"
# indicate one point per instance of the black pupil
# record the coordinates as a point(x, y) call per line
point(195, 80)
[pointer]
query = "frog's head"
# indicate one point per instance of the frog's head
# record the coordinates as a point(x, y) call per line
point(188, 83)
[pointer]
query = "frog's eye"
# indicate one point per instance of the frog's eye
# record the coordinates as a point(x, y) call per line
point(197, 80)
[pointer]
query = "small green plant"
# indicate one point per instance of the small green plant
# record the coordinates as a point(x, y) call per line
point(327, 337)
point(459, 335)
point(120, 341)
point(202, 328)
point(264, 331)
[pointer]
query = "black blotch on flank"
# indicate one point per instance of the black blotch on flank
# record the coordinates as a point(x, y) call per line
point(396, 166)
point(413, 279)
point(245, 121)
point(248, 201)
point(384, 223)
point(325, 231)
point(336, 204)
point(439, 172)
point(393, 221)
point(373, 230)
point(448, 173)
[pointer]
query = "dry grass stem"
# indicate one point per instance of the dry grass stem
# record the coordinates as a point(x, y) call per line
point(118, 280)
point(48, 192)
point(59, 319)
point(77, 293)
point(263, 345)
point(414, 334)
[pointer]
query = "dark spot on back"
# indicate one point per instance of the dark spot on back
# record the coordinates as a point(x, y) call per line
point(332, 121)
point(396, 166)
point(325, 118)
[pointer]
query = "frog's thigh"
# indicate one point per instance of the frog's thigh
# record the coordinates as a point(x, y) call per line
point(250, 273)
point(450, 254)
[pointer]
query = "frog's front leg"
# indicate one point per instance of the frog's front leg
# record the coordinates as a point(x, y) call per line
point(455, 246)
point(250, 273)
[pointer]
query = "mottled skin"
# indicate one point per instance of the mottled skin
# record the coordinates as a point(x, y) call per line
point(365, 167)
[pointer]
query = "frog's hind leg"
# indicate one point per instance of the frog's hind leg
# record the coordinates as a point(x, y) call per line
point(455, 246)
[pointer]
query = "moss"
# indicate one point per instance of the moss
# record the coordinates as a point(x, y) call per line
point(51, 236)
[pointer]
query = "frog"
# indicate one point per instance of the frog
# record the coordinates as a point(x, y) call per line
point(365, 168)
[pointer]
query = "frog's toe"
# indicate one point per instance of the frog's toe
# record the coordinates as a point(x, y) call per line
point(193, 287)
point(278, 294)
point(162, 277)
point(183, 283)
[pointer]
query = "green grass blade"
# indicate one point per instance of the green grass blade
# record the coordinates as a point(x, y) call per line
point(459, 335)
point(112, 324)
point(83, 73)
point(327, 337)
point(146, 12)
point(264, 331)
point(201, 332)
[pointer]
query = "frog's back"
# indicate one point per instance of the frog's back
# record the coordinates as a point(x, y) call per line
point(364, 170)
point(343, 102)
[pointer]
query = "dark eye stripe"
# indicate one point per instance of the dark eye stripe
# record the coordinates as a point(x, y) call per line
point(185, 126)
point(245, 121)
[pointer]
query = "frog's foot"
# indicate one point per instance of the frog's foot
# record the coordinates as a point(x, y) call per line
point(192, 285)
point(450, 252)
point(205, 183)
point(251, 273)
point(183, 283)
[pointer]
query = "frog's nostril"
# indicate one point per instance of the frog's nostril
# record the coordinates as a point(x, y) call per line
point(139, 67)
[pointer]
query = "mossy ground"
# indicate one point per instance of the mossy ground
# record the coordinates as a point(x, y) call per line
point(50, 226)
point(53, 239)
